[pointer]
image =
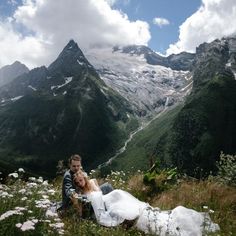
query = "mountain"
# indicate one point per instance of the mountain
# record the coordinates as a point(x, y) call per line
point(181, 61)
point(10, 72)
point(147, 84)
point(206, 125)
point(192, 134)
point(50, 113)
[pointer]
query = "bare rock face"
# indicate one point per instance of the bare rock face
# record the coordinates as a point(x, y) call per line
point(10, 72)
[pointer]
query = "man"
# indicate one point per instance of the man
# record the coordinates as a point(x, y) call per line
point(69, 194)
point(68, 187)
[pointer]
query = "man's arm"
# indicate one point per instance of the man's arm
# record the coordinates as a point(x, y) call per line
point(68, 186)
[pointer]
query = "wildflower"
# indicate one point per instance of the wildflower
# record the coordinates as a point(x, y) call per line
point(33, 179)
point(22, 191)
point(46, 221)
point(43, 203)
point(57, 225)
point(8, 213)
point(29, 193)
point(4, 194)
point(45, 183)
point(51, 191)
point(40, 180)
point(15, 175)
point(17, 211)
point(21, 170)
point(20, 208)
point(49, 213)
point(24, 198)
point(27, 225)
point(31, 185)
point(205, 207)
point(61, 231)
point(35, 221)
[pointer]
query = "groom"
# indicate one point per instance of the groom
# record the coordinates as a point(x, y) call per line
point(69, 193)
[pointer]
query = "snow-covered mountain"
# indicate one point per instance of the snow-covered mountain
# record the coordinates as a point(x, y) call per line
point(146, 86)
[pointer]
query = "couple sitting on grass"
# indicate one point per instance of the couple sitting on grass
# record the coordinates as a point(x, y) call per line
point(114, 207)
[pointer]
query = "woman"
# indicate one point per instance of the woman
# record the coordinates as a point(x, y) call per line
point(115, 207)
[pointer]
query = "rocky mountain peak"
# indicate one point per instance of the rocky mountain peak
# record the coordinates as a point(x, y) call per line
point(216, 57)
point(72, 46)
point(181, 61)
point(136, 50)
point(71, 60)
point(10, 72)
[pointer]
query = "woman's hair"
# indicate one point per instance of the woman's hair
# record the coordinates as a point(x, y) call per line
point(87, 187)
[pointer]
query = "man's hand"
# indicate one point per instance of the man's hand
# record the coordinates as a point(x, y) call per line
point(76, 204)
point(74, 195)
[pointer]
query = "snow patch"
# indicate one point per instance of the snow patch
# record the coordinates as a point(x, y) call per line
point(32, 87)
point(67, 80)
point(81, 63)
point(16, 98)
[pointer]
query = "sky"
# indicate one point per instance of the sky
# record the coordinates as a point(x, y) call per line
point(34, 32)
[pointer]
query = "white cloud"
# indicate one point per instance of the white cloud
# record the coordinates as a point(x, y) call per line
point(53, 23)
point(160, 21)
point(112, 2)
point(16, 47)
point(12, 2)
point(214, 19)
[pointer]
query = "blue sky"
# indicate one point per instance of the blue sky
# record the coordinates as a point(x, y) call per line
point(35, 31)
point(175, 11)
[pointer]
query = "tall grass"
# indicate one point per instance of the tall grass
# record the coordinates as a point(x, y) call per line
point(24, 204)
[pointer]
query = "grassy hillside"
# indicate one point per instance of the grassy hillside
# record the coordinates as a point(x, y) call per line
point(204, 127)
point(24, 203)
point(190, 136)
point(143, 145)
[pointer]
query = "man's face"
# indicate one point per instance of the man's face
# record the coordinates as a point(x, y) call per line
point(75, 166)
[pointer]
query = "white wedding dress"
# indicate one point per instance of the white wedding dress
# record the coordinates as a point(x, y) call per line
point(115, 207)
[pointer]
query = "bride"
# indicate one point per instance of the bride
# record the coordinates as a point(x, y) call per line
point(117, 206)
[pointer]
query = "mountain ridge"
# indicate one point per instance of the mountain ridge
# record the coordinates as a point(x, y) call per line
point(58, 111)
point(9, 72)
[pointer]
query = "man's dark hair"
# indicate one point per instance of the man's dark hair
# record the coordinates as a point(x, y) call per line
point(75, 157)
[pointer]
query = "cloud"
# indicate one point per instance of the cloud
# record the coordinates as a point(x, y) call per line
point(12, 2)
point(49, 25)
point(214, 19)
point(160, 21)
point(113, 2)
point(16, 47)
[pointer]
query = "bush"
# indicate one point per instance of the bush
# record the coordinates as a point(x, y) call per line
point(160, 179)
point(227, 169)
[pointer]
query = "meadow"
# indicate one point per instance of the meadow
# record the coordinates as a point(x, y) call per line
point(25, 200)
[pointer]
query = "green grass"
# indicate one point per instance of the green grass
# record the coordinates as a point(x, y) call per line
point(141, 148)
point(190, 193)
